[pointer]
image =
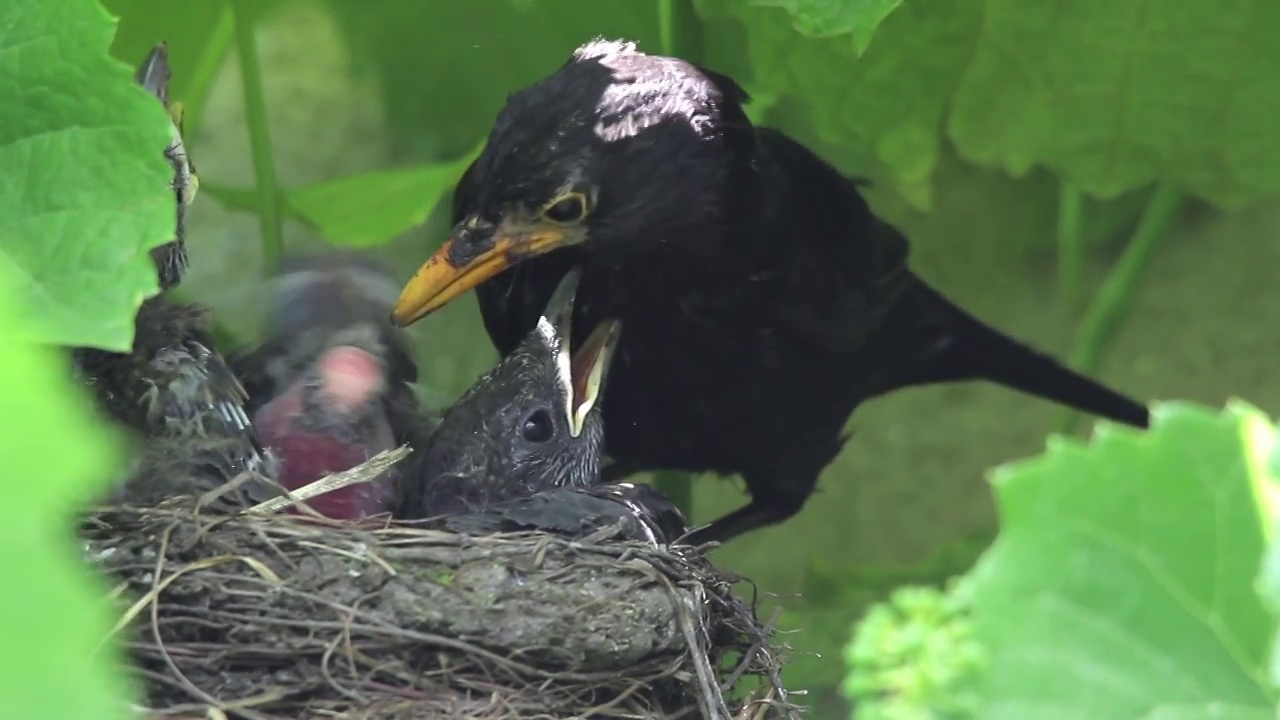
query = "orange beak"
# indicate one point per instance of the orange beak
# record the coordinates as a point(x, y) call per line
point(439, 281)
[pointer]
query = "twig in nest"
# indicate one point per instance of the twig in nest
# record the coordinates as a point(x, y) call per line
point(368, 471)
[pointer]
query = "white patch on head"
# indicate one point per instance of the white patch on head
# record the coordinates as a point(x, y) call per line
point(564, 371)
point(647, 90)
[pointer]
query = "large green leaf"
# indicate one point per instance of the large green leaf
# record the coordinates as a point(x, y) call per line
point(1122, 584)
point(1265, 464)
point(825, 18)
point(55, 457)
point(374, 207)
point(1113, 96)
point(890, 102)
point(85, 190)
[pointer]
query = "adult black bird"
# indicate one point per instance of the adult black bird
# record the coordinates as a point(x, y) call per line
point(763, 300)
point(532, 423)
point(173, 387)
point(331, 385)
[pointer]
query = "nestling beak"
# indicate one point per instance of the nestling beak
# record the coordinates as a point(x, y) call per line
point(439, 280)
point(588, 370)
point(582, 373)
point(154, 73)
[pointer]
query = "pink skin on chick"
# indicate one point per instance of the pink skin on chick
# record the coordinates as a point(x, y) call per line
point(343, 426)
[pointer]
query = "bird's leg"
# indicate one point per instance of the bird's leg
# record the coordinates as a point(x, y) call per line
point(778, 489)
point(762, 511)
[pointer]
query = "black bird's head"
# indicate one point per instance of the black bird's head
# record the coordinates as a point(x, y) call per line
point(531, 423)
point(617, 151)
point(170, 258)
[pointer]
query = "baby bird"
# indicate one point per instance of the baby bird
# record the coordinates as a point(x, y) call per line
point(173, 388)
point(531, 423)
point(332, 384)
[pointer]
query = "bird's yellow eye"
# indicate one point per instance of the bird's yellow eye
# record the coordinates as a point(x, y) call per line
point(568, 208)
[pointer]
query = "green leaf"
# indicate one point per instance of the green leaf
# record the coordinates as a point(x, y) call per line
point(825, 18)
point(86, 190)
point(1115, 96)
point(889, 101)
point(1122, 583)
point(56, 457)
point(375, 207)
point(1265, 465)
point(915, 656)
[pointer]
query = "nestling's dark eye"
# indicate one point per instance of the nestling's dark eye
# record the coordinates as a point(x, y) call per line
point(567, 209)
point(537, 427)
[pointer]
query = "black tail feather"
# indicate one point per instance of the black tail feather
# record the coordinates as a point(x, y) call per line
point(950, 345)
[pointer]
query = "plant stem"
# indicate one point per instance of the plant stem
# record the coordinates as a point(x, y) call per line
point(255, 107)
point(1111, 305)
point(667, 26)
point(679, 30)
point(196, 95)
point(241, 199)
point(1070, 248)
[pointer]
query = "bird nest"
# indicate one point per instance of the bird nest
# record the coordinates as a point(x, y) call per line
point(266, 616)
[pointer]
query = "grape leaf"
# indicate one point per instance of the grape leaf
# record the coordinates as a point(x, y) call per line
point(1110, 97)
point(891, 100)
point(56, 457)
point(84, 193)
point(1113, 97)
point(375, 207)
point(1266, 474)
point(1122, 583)
point(824, 18)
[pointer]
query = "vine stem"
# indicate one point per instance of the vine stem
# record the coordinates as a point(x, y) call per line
point(667, 26)
point(207, 65)
point(1070, 248)
point(255, 106)
point(1107, 312)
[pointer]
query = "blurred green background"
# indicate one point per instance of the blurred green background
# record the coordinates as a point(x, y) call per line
point(358, 86)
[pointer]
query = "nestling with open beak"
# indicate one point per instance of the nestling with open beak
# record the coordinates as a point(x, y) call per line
point(174, 387)
point(332, 384)
point(531, 423)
